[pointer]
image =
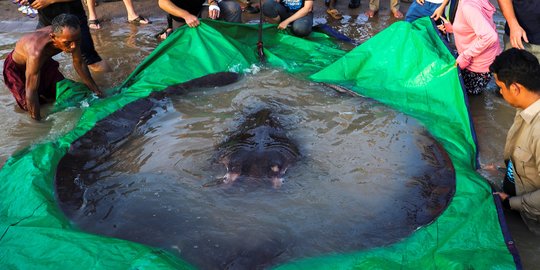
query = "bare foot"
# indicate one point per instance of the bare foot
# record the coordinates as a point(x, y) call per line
point(370, 13)
point(397, 14)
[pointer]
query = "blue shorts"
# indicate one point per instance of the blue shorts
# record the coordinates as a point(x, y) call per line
point(417, 11)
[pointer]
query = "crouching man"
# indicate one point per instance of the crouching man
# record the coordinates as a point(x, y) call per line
point(31, 74)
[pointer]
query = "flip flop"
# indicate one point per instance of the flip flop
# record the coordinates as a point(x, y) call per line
point(139, 20)
point(334, 13)
point(166, 31)
point(96, 24)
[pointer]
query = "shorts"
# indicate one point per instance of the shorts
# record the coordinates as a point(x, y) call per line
point(15, 80)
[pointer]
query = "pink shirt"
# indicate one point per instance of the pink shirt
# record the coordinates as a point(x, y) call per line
point(475, 35)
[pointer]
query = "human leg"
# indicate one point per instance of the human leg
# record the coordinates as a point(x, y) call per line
point(15, 81)
point(230, 11)
point(50, 75)
point(274, 10)
point(394, 7)
point(332, 11)
point(354, 3)
point(417, 11)
point(93, 22)
point(88, 51)
point(373, 8)
point(132, 16)
point(302, 27)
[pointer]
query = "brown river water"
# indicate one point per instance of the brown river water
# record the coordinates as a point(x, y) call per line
point(125, 46)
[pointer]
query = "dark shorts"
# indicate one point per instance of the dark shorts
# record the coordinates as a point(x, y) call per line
point(475, 83)
point(15, 80)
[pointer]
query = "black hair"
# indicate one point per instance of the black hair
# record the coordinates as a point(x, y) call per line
point(65, 20)
point(517, 66)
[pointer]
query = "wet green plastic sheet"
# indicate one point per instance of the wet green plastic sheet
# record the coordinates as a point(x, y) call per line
point(406, 66)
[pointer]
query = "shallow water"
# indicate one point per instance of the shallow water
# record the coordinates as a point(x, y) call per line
point(124, 47)
point(366, 172)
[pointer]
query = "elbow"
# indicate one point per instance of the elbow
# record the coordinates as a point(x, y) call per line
point(491, 39)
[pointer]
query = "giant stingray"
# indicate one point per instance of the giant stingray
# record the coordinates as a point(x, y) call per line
point(243, 154)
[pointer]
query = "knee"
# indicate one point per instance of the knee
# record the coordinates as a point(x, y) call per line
point(301, 30)
point(269, 9)
point(231, 10)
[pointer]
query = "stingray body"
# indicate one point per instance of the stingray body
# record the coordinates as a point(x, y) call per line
point(259, 149)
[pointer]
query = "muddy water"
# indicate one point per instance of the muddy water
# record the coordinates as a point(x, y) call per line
point(125, 47)
point(366, 173)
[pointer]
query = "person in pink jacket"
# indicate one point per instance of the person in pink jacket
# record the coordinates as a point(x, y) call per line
point(476, 41)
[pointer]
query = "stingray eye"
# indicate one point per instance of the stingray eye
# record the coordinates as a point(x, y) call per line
point(274, 168)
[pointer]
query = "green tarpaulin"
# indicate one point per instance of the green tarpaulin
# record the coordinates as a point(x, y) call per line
point(406, 66)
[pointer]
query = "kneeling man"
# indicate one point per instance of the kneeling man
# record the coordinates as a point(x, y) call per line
point(31, 74)
point(517, 73)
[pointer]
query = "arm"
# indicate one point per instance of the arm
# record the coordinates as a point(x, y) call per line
point(530, 202)
point(516, 31)
point(486, 36)
point(307, 8)
point(40, 4)
point(84, 73)
point(169, 7)
point(32, 83)
point(439, 11)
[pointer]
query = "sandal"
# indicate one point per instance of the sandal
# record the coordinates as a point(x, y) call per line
point(94, 24)
point(334, 13)
point(139, 20)
point(164, 34)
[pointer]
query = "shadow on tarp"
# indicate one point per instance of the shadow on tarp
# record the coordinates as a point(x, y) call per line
point(405, 66)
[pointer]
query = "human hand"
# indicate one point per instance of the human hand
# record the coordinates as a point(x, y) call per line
point(22, 2)
point(282, 25)
point(213, 11)
point(463, 61)
point(192, 21)
point(437, 13)
point(502, 195)
point(442, 28)
point(420, 2)
point(99, 93)
point(517, 35)
point(39, 4)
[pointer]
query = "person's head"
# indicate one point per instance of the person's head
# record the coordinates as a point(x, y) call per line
point(516, 70)
point(66, 32)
